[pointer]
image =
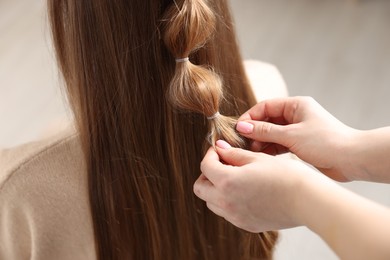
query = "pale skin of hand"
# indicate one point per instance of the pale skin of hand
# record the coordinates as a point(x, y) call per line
point(300, 125)
point(259, 192)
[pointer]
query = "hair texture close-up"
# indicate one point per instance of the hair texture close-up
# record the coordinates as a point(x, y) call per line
point(144, 116)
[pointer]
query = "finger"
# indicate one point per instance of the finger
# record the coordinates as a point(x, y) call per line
point(235, 156)
point(256, 146)
point(205, 190)
point(264, 132)
point(268, 148)
point(275, 149)
point(277, 121)
point(218, 211)
point(272, 108)
point(247, 116)
point(212, 167)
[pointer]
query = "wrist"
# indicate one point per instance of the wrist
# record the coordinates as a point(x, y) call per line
point(348, 158)
point(315, 199)
point(305, 195)
point(347, 222)
point(368, 154)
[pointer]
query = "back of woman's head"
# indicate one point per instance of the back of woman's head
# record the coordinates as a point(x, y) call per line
point(144, 112)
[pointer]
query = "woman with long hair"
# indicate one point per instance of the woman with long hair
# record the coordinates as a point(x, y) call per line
point(152, 84)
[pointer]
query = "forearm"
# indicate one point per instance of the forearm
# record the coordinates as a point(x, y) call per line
point(369, 153)
point(354, 227)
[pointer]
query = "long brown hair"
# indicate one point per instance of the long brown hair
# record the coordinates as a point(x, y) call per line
point(142, 154)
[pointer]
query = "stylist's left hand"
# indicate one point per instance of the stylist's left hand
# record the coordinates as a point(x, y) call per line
point(254, 191)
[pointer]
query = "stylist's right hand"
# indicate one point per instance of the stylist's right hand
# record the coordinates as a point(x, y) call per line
point(300, 125)
point(254, 191)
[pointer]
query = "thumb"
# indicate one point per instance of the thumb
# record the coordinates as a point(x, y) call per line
point(263, 131)
point(234, 156)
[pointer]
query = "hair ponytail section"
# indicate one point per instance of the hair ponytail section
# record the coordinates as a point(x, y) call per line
point(188, 24)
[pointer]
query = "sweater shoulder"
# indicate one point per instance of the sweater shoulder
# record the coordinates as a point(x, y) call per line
point(44, 205)
point(15, 160)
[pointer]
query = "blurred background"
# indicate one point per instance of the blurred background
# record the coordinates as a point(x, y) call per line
point(337, 51)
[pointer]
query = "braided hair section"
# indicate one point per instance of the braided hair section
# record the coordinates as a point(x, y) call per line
point(188, 25)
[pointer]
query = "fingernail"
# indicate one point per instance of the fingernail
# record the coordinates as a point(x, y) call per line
point(222, 144)
point(244, 127)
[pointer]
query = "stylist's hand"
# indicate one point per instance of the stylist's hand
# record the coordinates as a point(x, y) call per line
point(259, 192)
point(254, 191)
point(300, 125)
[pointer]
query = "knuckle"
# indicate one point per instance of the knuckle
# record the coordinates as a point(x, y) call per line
point(303, 98)
point(238, 221)
point(226, 205)
point(234, 153)
point(209, 206)
point(307, 100)
point(196, 189)
point(243, 223)
point(250, 228)
point(290, 130)
point(203, 166)
point(264, 129)
point(226, 185)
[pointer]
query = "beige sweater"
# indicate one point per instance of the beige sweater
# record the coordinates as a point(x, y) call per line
point(44, 204)
point(44, 207)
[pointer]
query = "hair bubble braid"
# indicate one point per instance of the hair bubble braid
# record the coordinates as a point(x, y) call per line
point(188, 24)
